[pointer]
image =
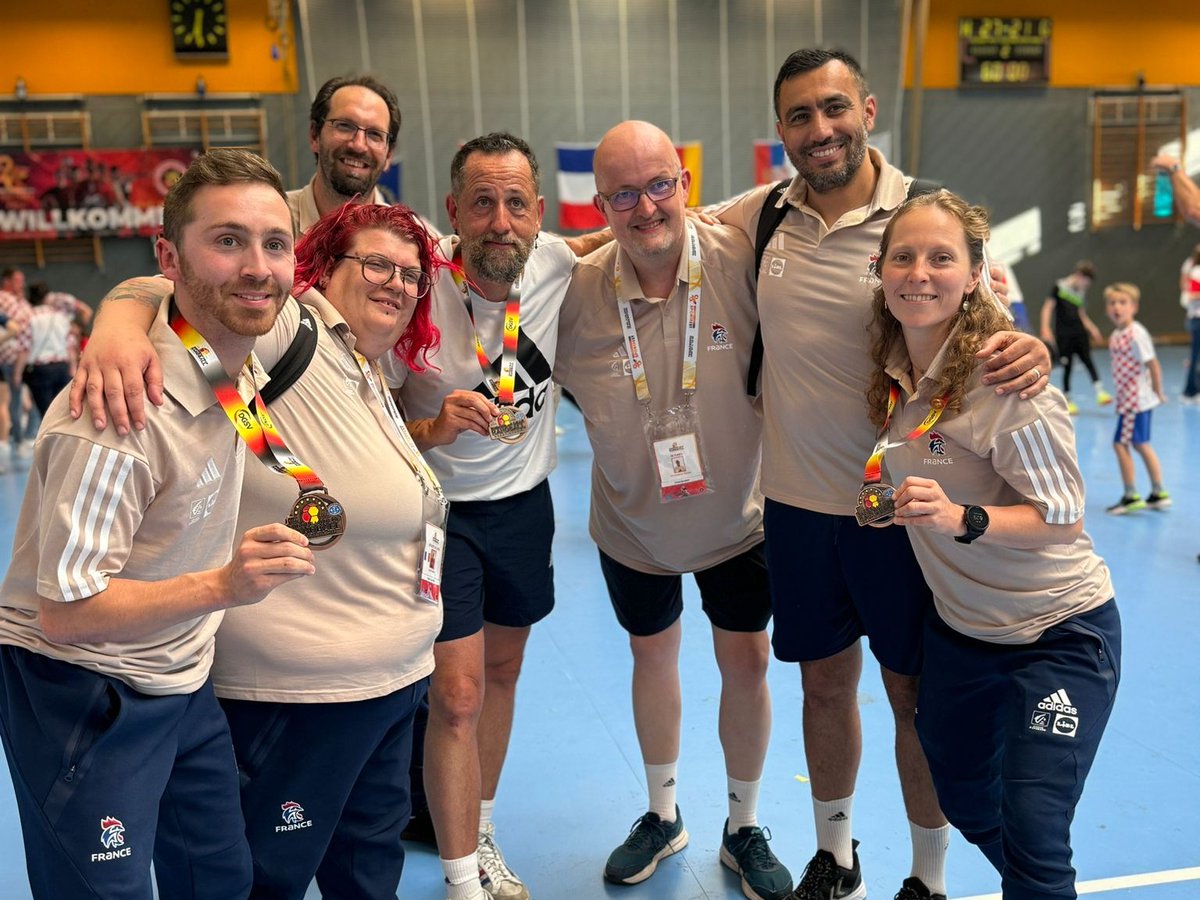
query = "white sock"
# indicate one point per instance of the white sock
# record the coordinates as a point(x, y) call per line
point(462, 871)
point(833, 829)
point(743, 803)
point(485, 813)
point(471, 890)
point(660, 780)
point(929, 855)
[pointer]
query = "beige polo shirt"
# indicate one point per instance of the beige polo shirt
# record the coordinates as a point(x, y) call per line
point(814, 299)
point(628, 521)
point(357, 629)
point(148, 506)
point(303, 205)
point(999, 451)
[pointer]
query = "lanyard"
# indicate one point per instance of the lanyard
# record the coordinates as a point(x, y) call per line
point(873, 473)
point(691, 331)
point(254, 426)
point(430, 486)
point(512, 330)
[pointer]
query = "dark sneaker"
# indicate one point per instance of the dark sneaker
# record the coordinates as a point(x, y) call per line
point(650, 839)
point(747, 853)
point(1127, 504)
point(824, 879)
point(914, 889)
point(1158, 500)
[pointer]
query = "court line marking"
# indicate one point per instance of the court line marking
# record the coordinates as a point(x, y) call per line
point(1103, 885)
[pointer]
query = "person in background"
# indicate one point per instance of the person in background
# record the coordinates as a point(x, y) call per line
point(1071, 329)
point(1189, 299)
point(1138, 379)
point(48, 364)
point(1023, 645)
point(16, 310)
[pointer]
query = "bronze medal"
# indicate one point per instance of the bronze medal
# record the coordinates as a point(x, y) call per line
point(510, 427)
point(319, 517)
point(875, 505)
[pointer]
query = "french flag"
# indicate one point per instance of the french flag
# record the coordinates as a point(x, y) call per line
point(771, 163)
point(577, 187)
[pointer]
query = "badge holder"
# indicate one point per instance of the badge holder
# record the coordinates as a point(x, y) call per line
point(673, 436)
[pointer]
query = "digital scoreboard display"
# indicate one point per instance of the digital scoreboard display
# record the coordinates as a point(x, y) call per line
point(995, 51)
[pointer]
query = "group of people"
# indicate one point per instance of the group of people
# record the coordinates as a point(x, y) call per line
point(423, 557)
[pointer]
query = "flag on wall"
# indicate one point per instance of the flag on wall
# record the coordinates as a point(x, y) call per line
point(691, 157)
point(576, 187)
point(771, 163)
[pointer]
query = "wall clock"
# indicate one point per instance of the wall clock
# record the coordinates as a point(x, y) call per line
point(199, 28)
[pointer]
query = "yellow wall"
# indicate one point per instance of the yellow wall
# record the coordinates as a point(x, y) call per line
point(1096, 43)
point(124, 47)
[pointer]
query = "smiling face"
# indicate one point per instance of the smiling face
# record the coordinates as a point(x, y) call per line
point(823, 122)
point(926, 271)
point(497, 214)
point(632, 157)
point(234, 260)
point(376, 313)
point(351, 166)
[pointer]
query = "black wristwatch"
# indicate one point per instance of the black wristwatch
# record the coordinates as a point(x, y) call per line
point(976, 520)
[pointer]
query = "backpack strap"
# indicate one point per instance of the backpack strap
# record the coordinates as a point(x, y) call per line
point(295, 359)
point(768, 220)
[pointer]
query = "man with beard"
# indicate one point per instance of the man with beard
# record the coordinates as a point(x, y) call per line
point(667, 299)
point(483, 415)
point(125, 560)
point(832, 581)
point(352, 129)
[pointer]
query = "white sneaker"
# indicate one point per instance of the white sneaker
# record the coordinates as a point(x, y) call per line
point(494, 873)
point(469, 891)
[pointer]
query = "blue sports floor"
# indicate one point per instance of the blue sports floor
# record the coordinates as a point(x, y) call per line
point(573, 783)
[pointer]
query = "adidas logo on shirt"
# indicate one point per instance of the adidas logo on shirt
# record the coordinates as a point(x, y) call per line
point(210, 474)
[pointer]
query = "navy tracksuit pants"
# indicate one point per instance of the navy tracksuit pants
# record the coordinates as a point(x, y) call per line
point(1010, 732)
point(108, 779)
point(325, 793)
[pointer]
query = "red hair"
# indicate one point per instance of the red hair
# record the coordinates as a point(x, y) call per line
point(319, 249)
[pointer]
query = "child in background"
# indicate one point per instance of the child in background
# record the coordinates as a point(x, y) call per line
point(1138, 379)
point(1072, 329)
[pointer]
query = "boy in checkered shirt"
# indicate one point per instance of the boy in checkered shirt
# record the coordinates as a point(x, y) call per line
point(1138, 379)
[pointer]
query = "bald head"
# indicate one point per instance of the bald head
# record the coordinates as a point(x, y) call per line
point(636, 161)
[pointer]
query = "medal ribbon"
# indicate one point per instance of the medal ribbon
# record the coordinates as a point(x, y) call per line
point(691, 340)
point(430, 486)
point(512, 331)
point(873, 473)
point(254, 426)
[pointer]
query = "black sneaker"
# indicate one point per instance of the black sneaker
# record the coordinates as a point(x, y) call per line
point(914, 889)
point(824, 879)
point(763, 876)
point(1158, 500)
point(1127, 504)
point(650, 839)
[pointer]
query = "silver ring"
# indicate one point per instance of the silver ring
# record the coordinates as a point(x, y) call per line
point(1037, 373)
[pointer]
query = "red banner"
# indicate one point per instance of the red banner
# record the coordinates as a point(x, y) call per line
point(81, 193)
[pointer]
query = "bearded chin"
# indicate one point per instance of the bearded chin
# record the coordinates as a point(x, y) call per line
point(499, 268)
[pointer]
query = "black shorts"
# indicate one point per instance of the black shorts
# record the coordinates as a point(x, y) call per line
point(734, 594)
point(833, 581)
point(498, 566)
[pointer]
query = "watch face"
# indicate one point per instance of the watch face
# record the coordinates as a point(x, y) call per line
point(199, 27)
point(977, 519)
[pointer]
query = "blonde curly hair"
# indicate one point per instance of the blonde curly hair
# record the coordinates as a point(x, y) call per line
point(971, 327)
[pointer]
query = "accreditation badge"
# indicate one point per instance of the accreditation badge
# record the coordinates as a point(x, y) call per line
point(676, 450)
point(319, 517)
point(876, 505)
point(432, 555)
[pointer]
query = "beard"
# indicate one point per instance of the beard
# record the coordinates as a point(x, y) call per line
point(825, 180)
point(217, 304)
point(499, 266)
point(345, 183)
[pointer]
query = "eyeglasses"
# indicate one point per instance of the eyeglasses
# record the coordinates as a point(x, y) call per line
point(348, 131)
point(380, 270)
point(622, 201)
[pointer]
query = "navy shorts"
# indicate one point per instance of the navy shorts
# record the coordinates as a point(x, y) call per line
point(833, 581)
point(734, 594)
point(498, 566)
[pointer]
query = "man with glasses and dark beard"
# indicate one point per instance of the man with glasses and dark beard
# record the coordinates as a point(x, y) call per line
point(352, 129)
